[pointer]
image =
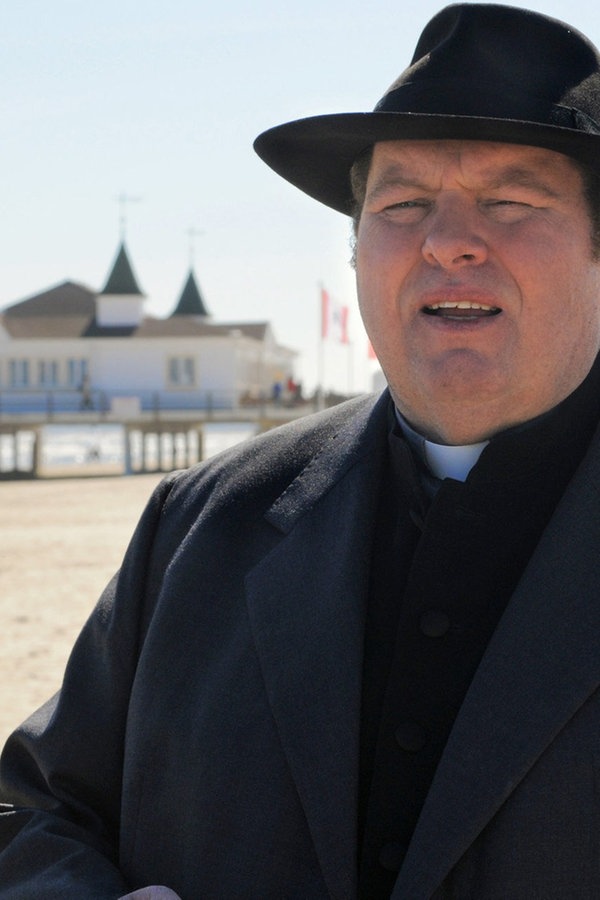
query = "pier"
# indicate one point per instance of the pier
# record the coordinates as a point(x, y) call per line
point(160, 433)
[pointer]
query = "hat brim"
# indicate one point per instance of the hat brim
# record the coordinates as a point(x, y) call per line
point(317, 153)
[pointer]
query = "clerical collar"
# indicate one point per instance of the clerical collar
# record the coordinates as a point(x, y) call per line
point(442, 460)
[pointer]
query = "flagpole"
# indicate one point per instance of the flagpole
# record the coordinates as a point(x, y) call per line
point(350, 368)
point(320, 353)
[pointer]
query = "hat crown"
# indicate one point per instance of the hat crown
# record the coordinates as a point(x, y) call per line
point(480, 72)
point(499, 62)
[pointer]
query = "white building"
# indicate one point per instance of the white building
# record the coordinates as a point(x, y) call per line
point(75, 348)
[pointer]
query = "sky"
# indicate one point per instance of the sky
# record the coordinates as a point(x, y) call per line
point(160, 102)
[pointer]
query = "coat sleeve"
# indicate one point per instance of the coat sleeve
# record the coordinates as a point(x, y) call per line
point(61, 771)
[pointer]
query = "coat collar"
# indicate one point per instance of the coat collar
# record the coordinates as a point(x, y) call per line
point(539, 667)
point(306, 602)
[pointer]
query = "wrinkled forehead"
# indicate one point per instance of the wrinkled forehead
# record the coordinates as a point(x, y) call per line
point(429, 161)
point(423, 154)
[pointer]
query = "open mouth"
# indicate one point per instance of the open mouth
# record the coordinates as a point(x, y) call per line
point(461, 309)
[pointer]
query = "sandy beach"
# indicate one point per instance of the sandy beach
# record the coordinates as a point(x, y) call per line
point(61, 540)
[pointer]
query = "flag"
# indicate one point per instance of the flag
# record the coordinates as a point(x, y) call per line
point(334, 319)
point(370, 351)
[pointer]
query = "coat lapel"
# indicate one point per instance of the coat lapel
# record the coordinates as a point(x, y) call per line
point(540, 666)
point(306, 602)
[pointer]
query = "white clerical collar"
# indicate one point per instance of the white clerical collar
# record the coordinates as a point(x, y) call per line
point(443, 460)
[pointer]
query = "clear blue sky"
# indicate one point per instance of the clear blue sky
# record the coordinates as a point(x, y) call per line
point(162, 100)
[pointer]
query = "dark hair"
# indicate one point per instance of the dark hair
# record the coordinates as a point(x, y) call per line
point(359, 174)
point(591, 191)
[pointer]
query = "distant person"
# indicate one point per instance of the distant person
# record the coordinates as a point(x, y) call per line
point(358, 657)
point(85, 391)
point(277, 392)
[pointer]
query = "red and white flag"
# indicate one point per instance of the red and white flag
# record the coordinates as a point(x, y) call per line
point(334, 320)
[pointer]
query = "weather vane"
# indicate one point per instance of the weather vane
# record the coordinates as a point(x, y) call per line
point(123, 200)
point(192, 233)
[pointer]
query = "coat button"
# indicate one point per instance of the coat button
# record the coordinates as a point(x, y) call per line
point(410, 736)
point(434, 623)
point(392, 856)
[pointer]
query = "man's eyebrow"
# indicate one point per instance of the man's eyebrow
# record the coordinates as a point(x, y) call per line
point(393, 177)
point(511, 176)
point(516, 176)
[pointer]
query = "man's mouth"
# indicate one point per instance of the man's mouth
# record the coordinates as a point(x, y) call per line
point(461, 309)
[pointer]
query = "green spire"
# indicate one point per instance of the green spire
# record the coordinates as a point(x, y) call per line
point(190, 302)
point(121, 279)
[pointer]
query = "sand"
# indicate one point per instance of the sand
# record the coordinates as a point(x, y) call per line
point(61, 541)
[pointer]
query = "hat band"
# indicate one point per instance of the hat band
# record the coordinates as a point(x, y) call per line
point(458, 97)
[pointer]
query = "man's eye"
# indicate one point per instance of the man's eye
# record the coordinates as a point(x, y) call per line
point(508, 210)
point(407, 204)
point(407, 211)
point(519, 204)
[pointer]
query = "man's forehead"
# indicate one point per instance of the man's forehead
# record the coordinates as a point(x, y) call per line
point(421, 152)
point(415, 158)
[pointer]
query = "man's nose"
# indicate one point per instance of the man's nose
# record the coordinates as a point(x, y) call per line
point(454, 238)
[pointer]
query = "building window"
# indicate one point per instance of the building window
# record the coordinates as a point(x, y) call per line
point(19, 373)
point(48, 373)
point(182, 371)
point(77, 371)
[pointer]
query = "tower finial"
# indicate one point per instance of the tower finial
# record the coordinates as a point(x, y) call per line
point(192, 233)
point(123, 199)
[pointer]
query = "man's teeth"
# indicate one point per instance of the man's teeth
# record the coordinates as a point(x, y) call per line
point(462, 304)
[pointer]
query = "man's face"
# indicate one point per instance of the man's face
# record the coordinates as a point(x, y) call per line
point(477, 282)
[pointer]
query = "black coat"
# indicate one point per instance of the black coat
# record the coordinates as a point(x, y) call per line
point(207, 734)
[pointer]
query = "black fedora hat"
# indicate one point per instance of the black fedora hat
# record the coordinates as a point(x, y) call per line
point(479, 72)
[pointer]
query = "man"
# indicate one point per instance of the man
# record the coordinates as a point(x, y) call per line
point(358, 657)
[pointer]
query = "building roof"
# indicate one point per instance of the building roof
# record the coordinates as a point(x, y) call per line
point(65, 299)
point(121, 279)
point(68, 311)
point(191, 302)
point(61, 327)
